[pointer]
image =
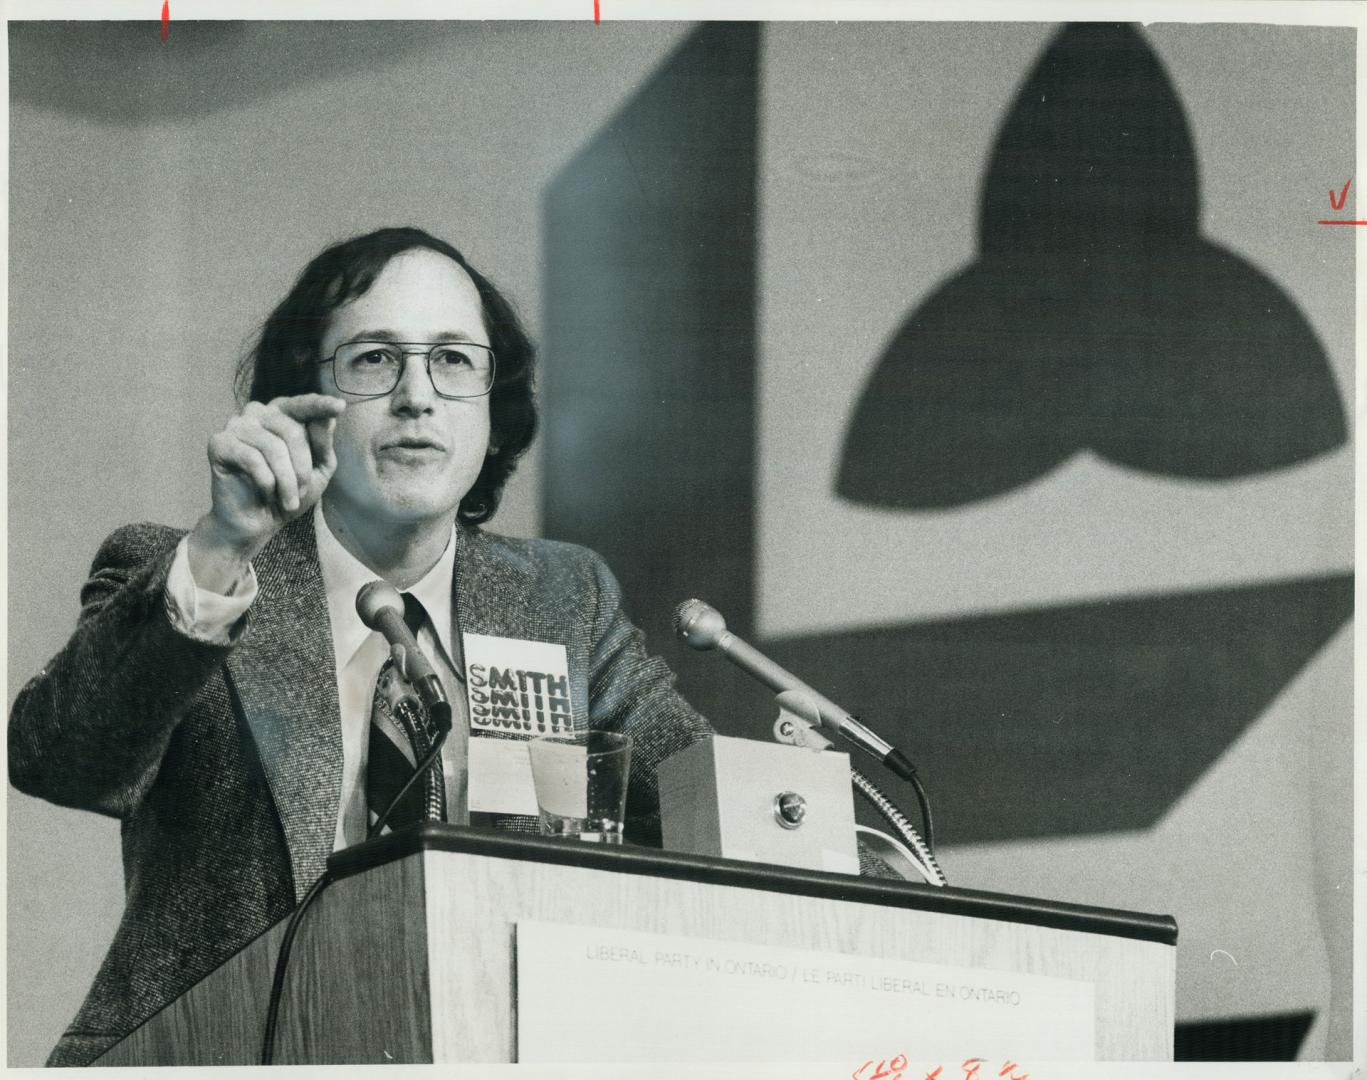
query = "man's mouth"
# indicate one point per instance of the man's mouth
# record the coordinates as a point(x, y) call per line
point(414, 443)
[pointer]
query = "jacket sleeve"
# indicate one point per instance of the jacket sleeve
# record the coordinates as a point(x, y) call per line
point(91, 728)
point(632, 692)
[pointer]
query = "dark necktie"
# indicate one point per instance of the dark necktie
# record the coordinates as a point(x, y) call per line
point(400, 736)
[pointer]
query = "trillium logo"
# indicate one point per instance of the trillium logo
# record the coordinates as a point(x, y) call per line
point(1097, 316)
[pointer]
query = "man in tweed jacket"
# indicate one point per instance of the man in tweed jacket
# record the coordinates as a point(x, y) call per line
point(219, 744)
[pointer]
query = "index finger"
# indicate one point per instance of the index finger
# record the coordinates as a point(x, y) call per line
point(306, 407)
point(320, 445)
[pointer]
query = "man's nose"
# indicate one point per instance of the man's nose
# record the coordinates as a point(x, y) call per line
point(415, 393)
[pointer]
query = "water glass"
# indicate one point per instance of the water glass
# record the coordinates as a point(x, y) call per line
point(581, 784)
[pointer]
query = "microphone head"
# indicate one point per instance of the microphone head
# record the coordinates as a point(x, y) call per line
point(374, 597)
point(699, 624)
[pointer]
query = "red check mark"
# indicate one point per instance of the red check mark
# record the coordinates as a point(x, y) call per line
point(1341, 201)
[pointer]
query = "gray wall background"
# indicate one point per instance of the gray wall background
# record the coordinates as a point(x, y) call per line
point(872, 154)
point(163, 197)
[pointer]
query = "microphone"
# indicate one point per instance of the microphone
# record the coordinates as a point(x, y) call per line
point(702, 627)
point(381, 608)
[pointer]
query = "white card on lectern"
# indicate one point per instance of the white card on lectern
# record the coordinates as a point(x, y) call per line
point(517, 687)
point(685, 999)
point(559, 774)
point(500, 776)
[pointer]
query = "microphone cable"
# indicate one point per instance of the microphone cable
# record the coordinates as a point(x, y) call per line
point(900, 765)
point(924, 801)
point(282, 958)
point(899, 822)
point(281, 962)
point(422, 770)
point(927, 824)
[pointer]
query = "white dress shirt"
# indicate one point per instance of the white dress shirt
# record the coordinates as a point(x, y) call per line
point(359, 652)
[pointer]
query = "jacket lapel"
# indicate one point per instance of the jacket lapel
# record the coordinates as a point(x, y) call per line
point(490, 592)
point(284, 674)
point(497, 593)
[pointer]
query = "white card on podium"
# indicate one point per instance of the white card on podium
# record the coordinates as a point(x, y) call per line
point(639, 997)
point(500, 776)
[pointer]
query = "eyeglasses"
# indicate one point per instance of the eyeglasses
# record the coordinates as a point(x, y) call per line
point(458, 369)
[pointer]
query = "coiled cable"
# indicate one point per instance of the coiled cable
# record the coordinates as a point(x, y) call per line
point(904, 828)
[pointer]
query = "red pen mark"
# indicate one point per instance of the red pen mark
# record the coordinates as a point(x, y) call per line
point(595, 11)
point(1339, 204)
point(893, 1069)
point(166, 18)
point(886, 1070)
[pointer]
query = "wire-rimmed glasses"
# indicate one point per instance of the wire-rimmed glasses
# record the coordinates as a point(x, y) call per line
point(458, 369)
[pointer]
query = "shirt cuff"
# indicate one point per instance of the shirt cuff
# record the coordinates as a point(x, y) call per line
point(197, 613)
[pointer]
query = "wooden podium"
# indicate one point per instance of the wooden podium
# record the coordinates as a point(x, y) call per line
point(409, 955)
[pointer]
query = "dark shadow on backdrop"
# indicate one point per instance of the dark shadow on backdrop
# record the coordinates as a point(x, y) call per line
point(1067, 721)
point(1073, 720)
point(1255, 1038)
point(1095, 317)
point(649, 381)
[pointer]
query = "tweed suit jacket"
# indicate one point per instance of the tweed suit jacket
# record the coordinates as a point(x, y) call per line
point(224, 763)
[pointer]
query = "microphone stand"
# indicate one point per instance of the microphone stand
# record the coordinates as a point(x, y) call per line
point(798, 729)
point(424, 769)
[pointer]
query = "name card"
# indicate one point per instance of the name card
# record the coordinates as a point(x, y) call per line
point(659, 997)
point(517, 687)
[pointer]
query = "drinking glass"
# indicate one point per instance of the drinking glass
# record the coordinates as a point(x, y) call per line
point(581, 784)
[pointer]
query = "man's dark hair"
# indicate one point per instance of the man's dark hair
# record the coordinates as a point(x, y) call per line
point(284, 360)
